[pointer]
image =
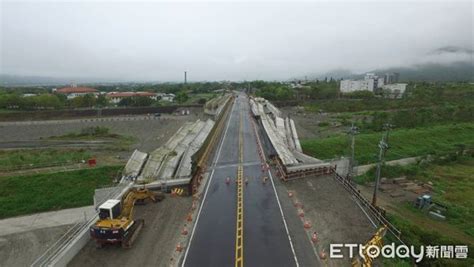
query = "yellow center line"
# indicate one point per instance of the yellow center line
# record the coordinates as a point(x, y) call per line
point(239, 233)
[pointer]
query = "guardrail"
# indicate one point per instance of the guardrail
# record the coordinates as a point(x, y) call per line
point(58, 246)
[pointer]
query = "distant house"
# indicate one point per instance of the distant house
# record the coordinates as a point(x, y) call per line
point(74, 91)
point(167, 97)
point(29, 94)
point(115, 97)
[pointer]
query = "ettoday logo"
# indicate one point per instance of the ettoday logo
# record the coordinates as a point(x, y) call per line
point(399, 251)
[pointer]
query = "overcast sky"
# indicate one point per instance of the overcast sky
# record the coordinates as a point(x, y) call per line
point(226, 41)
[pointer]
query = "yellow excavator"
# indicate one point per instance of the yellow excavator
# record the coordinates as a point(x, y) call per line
point(116, 224)
point(376, 240)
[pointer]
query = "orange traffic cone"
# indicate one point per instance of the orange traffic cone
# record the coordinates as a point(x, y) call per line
point(179, 248)
point(189, 218)
point(290, 194)
point(314, 237)
point(185, 231)
point(301, 213)
point(322, 255)
point(307, 225)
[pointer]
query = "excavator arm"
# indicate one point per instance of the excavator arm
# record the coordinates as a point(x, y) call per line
point(132, 197)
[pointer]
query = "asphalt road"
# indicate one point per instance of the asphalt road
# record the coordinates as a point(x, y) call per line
point(265, 238)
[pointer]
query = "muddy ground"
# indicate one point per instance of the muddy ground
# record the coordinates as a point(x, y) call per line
point(155, 244)
point(148, 132)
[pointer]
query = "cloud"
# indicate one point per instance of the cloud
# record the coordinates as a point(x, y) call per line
point(227, 41)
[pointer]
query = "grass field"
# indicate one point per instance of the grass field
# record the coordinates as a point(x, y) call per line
point(453, 186)
point(194, 98)
point(20, 195)
point(35, 158)
point(403, 143)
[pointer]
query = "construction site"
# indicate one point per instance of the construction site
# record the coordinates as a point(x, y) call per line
point(229, 187)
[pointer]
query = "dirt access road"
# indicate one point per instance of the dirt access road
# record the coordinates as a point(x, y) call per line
point(155, 244)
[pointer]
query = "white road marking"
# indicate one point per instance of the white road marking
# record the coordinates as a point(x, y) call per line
point(207, 187)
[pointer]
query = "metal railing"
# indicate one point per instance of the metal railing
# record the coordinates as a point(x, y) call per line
point(46, 258)
point(372, 210)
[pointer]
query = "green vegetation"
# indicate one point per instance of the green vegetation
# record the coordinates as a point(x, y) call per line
point(452, 177)
point(136, 101)
point(417, 235)
point(277, 91)
point(114, 141)
point(418, 95)
point(403, 143)
point(89, 133)
point(36, 158)
point(200, 98)
point(389, 171)
point(181, 97)
point(454, 187)
point(20, 195)
point(12, 98)
point(16, 101)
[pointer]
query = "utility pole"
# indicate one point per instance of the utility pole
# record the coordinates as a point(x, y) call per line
point(352, 131)
point(383, 146)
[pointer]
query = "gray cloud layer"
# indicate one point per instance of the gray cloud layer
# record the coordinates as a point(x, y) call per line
point(231, 41)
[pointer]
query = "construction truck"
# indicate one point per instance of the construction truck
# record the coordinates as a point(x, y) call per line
point(116, 223)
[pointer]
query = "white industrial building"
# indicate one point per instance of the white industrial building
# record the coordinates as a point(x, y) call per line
point(348, 86)
point(395, 90)
point(371, 82)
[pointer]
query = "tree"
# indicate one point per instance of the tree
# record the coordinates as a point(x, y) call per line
point(136, 101)
point(102, 101)
point(88, 100)
point(181, 97)
point(141, 101)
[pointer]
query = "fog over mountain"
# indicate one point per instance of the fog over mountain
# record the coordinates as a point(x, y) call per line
point(448, 63)
point(157, 41)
